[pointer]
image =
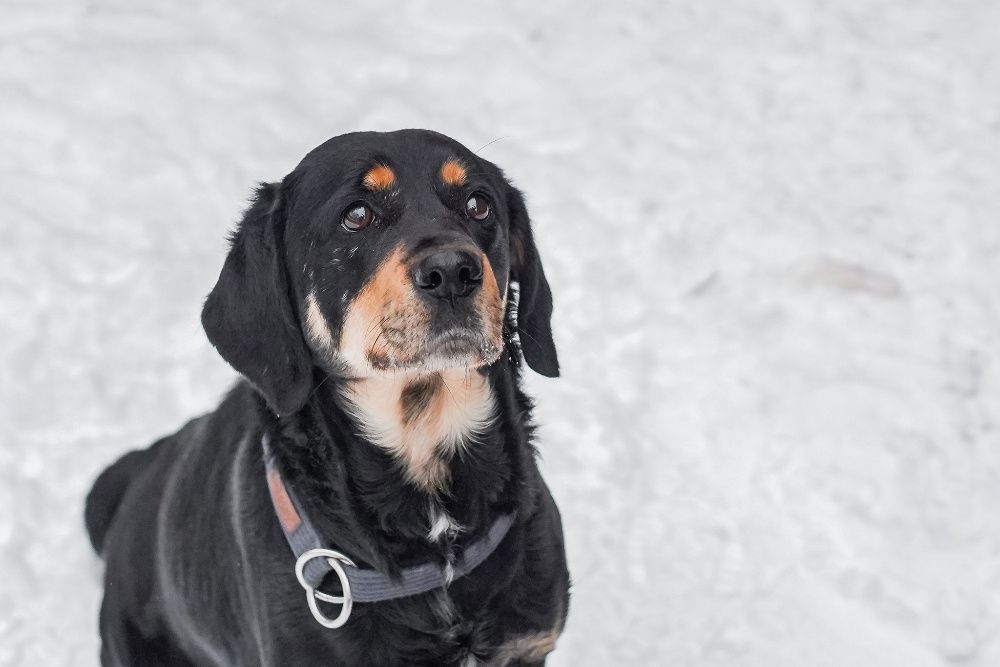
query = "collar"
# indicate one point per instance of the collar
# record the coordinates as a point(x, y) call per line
point(314, 560)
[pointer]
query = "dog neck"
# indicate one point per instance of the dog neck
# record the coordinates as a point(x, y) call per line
point(401, 470)
point(422, 419)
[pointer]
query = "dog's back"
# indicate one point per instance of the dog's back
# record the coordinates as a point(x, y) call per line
point(107, 492)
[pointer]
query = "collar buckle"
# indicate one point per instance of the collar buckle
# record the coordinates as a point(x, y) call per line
point(336, 561)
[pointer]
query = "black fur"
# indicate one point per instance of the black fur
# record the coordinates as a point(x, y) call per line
point(535, 298)
point(249, 317)
point(198, 570)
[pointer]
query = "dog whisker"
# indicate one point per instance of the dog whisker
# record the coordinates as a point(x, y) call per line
point(487, 145)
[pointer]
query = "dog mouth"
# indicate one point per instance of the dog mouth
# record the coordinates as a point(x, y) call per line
point(455, 347)
point(461, 342)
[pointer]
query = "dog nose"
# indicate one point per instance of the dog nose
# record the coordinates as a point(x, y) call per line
point(448, 274)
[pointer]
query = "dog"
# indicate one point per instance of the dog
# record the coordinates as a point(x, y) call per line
point(368, 493)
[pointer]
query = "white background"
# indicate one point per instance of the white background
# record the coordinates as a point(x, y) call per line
point(772, 233)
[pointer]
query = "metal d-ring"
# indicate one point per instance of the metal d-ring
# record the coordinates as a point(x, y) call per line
point(334, 558)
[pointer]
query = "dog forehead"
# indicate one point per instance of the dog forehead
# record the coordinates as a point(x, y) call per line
point(410, 152)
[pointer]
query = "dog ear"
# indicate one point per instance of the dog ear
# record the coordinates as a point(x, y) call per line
point(249, 317)
point(534, 305)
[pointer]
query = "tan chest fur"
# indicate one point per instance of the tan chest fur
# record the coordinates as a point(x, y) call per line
point(422, 419)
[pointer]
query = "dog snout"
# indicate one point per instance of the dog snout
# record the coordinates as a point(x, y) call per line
point(448, 274)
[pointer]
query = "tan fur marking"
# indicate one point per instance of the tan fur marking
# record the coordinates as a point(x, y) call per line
point(316, 326)
point(379, 177)
point(528, 648)
point(418, 396)
point(453, 173)
point(378, 327)
point(455, 405)
point(490, 306)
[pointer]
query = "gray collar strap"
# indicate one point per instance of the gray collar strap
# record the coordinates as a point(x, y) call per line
point(314, 560)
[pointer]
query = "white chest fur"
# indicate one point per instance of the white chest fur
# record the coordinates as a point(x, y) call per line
point(422, 419)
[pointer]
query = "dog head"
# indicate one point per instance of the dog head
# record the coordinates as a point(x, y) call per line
point(380, 252)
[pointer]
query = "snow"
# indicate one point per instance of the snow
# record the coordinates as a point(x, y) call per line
point(773, 233)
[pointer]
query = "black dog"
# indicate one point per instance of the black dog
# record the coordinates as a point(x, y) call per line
point(367, 301)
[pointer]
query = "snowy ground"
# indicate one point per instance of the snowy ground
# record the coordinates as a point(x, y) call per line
point(773, 233)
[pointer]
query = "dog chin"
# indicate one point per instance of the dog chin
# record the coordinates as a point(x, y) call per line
point(443, 362)
point(456, 349)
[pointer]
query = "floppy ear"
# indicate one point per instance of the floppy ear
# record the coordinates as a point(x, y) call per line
point(534, 305)
point(249, 317)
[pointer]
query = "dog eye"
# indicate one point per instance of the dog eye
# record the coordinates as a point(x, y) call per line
point(477, 207)
point(358, 217)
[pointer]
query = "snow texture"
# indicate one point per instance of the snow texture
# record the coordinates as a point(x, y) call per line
point(773, 234)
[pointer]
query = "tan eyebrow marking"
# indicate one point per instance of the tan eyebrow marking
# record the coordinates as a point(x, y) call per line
point(453, 173)
point(379, 177)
